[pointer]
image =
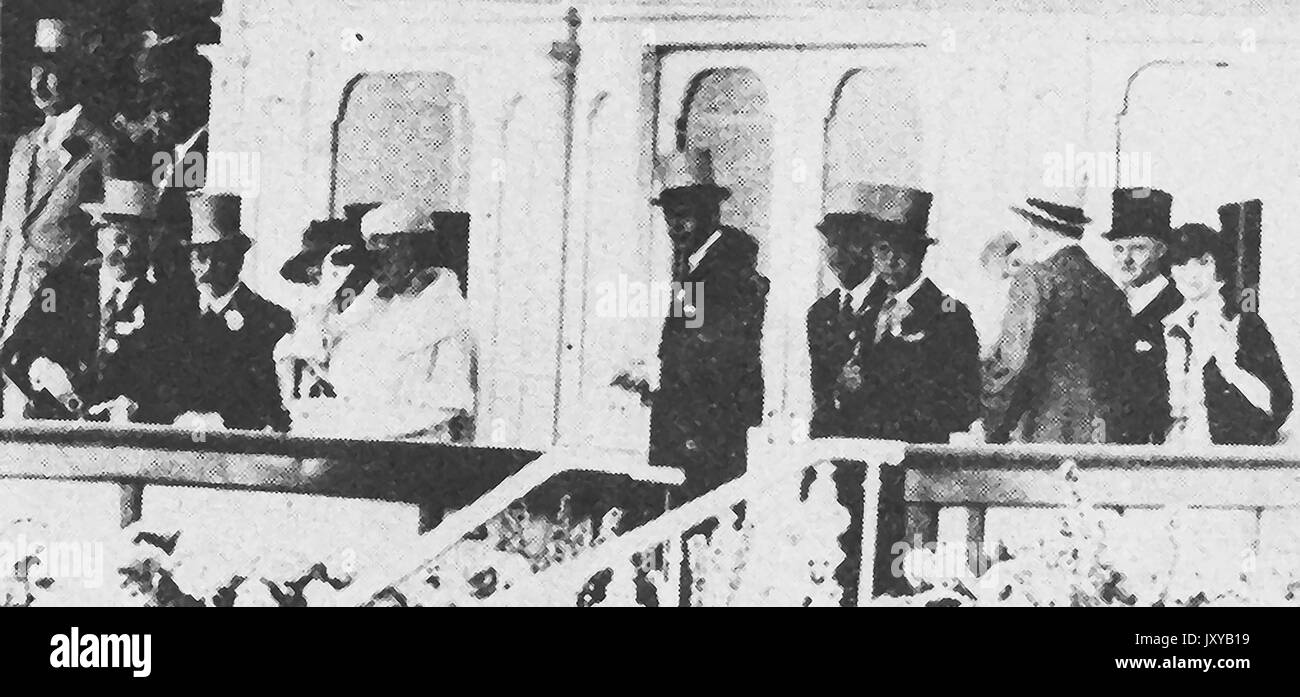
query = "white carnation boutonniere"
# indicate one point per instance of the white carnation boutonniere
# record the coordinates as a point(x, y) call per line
point(234, 320)
point(129, 326)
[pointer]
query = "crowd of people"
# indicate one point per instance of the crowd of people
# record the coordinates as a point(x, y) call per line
point(123, 299)
point(1164, 352)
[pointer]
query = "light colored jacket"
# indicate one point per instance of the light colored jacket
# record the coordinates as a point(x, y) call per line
point(42, 218)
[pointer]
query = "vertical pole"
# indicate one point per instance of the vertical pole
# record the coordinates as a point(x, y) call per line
point(870, 532)
point(131, 502)
point(568, 53)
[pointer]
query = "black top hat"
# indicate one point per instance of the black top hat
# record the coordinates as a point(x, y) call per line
point(897, 213)
point(1140, 213)
point(1058, 217)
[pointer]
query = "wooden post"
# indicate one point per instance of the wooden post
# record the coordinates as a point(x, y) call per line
point(870, 533)
point(964, 526)
point(131, 502)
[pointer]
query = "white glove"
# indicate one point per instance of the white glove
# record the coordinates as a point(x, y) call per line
point(45, 374)
point(200, 421)
point(973, 436)
point(120, 409)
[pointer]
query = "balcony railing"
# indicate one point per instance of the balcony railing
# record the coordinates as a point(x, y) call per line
point(455, 488)
point(771, 537)
point(780, 547)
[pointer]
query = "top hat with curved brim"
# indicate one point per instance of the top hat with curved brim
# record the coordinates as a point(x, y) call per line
point(214, 219)
point(1140, 212)
point(124, 199)
point(1057, 217)
point(687, 174)
point(898, 214)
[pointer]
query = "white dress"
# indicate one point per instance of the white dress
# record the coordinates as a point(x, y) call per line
point(401, 366)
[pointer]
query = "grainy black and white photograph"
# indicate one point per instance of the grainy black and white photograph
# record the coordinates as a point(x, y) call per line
point(656, 303)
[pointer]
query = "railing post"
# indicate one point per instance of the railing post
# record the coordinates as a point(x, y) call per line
point(870, 533)
point(130, 501)
point(963, 526)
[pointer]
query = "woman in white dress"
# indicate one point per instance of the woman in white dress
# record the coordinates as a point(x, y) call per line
point(1226, 380)
point(400, 354)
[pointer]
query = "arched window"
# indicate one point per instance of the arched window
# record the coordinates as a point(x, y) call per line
point(873, 132)
point(726, 112)
point(402, 135)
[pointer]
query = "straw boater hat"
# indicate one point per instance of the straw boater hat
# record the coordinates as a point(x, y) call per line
point(688, 173)
point(214, 219)
point(1058, 217)
point(124, 199)
point(1140, 212)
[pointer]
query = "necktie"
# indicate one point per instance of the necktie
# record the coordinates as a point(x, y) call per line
point(883, 319)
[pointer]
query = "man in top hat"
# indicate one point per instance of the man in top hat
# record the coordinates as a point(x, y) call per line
point(1139, 235)
point(1056, 372)
point(226, 366)
point(912, 371)
point(893, 356)
point(710, 387)
point(401, 355)
point(91, 341)
point(53, 170)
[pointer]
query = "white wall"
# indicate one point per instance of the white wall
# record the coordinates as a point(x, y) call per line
point(997, 91)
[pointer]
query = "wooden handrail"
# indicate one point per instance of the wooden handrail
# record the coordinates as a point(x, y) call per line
point(770, 466)
point(782, 461)
point(479, 482)
point(457, 525)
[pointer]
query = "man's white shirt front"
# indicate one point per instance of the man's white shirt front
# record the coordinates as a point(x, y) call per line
point(858, 294)
point(56, 129)
point(215, 304)
point(1139, 297)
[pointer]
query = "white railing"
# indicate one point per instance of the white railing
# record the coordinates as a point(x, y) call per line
point(783, 551)
point(136, 457)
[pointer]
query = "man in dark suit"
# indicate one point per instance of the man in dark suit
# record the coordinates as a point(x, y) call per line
point(89, 344)
point(1056, 373)
point(711, 381)
point(904, 365)
point(1139, 235)
point(226, 365)
point(53, 170)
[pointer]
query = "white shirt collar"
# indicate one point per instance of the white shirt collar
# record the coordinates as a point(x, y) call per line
point(1141, 296)
point(59, 127)
point(109, 285)
point(859, 292)
point(698, 255)
point(906, 294)
point(213, 304)
point(1180, 316)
